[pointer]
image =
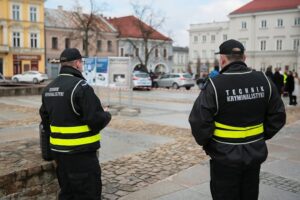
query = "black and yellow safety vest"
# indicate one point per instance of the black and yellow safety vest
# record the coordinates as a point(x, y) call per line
point(241, 106)
point(68, 131)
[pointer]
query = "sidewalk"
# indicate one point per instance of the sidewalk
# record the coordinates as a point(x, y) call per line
point(279, 178)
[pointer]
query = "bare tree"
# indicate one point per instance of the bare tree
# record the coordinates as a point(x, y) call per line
point(147, 23)
point(86, 25)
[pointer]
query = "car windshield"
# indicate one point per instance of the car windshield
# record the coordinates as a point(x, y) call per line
point(187, 76)
point(142, 75)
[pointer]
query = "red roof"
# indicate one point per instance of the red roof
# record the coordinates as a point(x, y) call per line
point(267, 5)
point(128, 26)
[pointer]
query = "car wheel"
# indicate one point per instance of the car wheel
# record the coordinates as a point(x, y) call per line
point(187, 88)
point(155, 85)
point(15, 80)
point(175, 86)
point(35, 81)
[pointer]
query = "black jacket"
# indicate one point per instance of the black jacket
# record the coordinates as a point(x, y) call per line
point(68, 101)
point(290, 84)
point(221, 101)
point(278, 80)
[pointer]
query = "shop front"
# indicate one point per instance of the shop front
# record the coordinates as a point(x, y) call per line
point(22, 63)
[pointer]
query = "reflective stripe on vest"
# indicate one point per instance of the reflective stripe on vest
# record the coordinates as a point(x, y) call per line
point(73, 130)
point(70, 130)
point(226, 131)
point(75, 142)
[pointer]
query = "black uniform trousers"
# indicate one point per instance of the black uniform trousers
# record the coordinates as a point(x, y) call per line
point(79, 176)
point(234, 183)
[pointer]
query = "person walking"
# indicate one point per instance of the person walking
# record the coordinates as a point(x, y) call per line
point(278, 81)
point(233, 116)
point(290, 88)
point(73, 115)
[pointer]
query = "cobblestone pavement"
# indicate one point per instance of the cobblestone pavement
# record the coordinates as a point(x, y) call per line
point(133, 172)
point(280, 182)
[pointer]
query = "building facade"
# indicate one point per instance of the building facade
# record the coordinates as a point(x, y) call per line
point(269, 30)
point(180, 59)
point(61, 32)
point(21, 36)
point(131, 44)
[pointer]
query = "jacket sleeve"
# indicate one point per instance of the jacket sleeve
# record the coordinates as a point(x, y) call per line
point(275, 115)
point(45, 117)
point(90, 108)
point(202, 114)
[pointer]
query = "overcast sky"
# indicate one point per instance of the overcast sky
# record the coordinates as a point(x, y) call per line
point(178, 14)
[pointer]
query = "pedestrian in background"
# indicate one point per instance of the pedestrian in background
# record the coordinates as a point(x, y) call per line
point(290, 87)
point(235, 113)
point(278, 81)
point(73, 115)
point(269, 73)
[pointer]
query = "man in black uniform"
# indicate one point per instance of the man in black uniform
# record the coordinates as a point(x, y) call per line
point(73, 115)
point(235, 113)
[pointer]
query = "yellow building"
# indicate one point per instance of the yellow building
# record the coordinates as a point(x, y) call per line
point(21, 36)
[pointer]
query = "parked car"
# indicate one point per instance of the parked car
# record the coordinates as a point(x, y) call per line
point(141, 80)
point(30, 76)
point(2, 78)
point(175, 80)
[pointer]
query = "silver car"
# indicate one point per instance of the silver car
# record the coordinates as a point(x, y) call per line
point(175, 80)
point(141, 80)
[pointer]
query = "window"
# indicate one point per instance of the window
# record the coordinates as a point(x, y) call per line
point(297, 21)
point(165, 53)
point(54, 43)
point(122, 52)
point(156, 53)
point(16, 39)
point(99, 45)
point(109, 46)
point(213, 38)
point(195, 39)
point(212, 53)
point(67, 43)
point(279, 22)
point(263, 45)
point(195, 54)
point(224, 37)
point(204, 38)
point(16, 12)
point(296, 44)
point(137, 52)
point(33, 14)
point(203, 53)
point(264, 24)
point(244, 25)
point(279, 45)
point(33, 40)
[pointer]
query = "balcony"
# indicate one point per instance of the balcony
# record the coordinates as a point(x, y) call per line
point(4, 48)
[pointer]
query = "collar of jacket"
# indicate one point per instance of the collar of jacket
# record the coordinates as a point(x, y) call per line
point(71, 70)
point(237, 66)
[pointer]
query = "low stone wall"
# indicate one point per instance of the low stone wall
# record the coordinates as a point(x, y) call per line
point(23, 173)
point(20, 90)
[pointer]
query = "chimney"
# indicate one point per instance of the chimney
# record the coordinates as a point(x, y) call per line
point(60, 7)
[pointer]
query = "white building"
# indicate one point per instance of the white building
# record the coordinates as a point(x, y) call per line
point(269, 30)
point(180, 59)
